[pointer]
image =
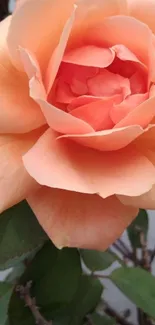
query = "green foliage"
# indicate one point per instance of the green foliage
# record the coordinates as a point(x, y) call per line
point(138, 285)
point(16, 273)
point(20, 234)
point(55, 275)
point(85, 300)
point(139, 224)
point(96, 261)
point(5, 294)
point(63, 294)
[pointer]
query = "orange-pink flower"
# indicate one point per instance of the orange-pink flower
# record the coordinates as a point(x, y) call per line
point(77, 117)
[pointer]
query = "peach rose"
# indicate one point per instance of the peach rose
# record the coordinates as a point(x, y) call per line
point(77, 117)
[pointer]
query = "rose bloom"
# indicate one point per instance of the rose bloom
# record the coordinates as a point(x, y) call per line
point(77, 115)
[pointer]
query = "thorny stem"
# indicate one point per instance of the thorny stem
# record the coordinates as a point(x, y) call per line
point(31, 303)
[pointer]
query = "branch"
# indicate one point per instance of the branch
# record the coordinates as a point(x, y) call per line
point(127, 256)
point(152, 256)
point(31, 303)
point(145, 253)
point(126, 249)
point(112, 313)
point(101, 276)
point(120, 249)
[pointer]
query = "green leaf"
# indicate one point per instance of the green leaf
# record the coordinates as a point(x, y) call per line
point(138, 285)
point(7, 322)
point(55, 275)
point(20, 234)
point(141, 223)
point(85, 301)
point(97, 319)
point(96, 260)
point(16, 273)
point(5, 294)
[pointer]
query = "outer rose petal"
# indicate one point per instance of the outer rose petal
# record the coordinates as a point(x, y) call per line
point(80, 220)
point(18, 112)
point(56, 118)
point(144, 201)
point(122, 25)
point(67, 165)
point(108, 140)
point(92, 12)
point(37, 26)
point(143, 10)
point(58, 53)
point(147, 140)
point(15, 182)
point(145, 143)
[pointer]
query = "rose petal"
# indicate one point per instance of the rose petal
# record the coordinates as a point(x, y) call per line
point(124, 54)
point(18, 113)
point(146, 144)
point(91, 56)
point(106, 83)
point(142, 44)
point(107, 140)
point(15, 182)
point(67, 165)
point(63, 93)
point(58, 53)
point(39, 29)
point(138, 83)
point(97, 113)
point(61, 121)
point(141, 115)
point(57, 119)
point(123, 26)
point(76, 77)
point(92, 12)
point(120, 111)
point(144, 11)
point(80, 220)
point(144, 201)
point(147, 140)
point(81, 101)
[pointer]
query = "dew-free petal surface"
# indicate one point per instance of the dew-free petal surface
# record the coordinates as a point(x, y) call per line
point(37, 25)
point(18, 113)
point(144, 11)
point(66, 165)
point(91, 56)
point(57, 119)
point(80, 220)
point(15, 182)
point(141, 115)
point(108, 140)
